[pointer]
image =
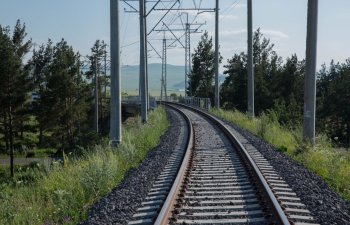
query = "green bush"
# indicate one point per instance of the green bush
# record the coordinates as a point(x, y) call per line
point(65, 191)
point(30, 154)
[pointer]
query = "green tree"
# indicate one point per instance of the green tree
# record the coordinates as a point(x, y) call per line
point(234, 88)
point(277, 86)
point(14, 83)
point(201, 78)
point(288, 91)
point(98, 76)
point(266, 66)
point(41, 71)
point(65, 99)
point(333, 99)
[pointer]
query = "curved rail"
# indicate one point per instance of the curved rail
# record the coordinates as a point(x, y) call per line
point(164, 215)
point(169, 203)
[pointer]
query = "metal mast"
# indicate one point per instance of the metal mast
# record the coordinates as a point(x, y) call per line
point(143, 56)
point(164, 70)
point(146, 59)
point(250, 61)
point(310, 76)
point(217, 96)
point(116, 128)
point(187, 53)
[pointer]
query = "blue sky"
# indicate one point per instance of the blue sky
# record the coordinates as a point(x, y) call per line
point(81, 22)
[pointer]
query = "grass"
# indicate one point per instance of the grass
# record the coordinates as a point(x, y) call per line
point(32, 153)
point(332, 164)
point(63, 192)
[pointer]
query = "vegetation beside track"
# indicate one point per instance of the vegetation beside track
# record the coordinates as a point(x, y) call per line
point(62, 193)
point(331, 163)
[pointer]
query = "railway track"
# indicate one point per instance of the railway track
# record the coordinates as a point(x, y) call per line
point(215, 180)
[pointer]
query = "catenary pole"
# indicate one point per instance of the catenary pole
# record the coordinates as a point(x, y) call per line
point(115, 117)
point(217, 96)
point(143, 62)
point(146, 57)
point(187, 49)
point(310, 76)
point(250, 61)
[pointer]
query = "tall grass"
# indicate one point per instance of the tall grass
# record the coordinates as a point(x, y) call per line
point(65, 192)
point(332, 164)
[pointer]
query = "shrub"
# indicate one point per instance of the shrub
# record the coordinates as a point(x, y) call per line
point(30, 154)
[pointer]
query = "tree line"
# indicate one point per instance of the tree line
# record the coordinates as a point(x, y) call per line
point(50, 95)
point(279, 86)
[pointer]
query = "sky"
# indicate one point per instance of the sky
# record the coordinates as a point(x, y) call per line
point(81, 22)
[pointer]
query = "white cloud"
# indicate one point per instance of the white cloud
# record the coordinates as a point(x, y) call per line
point(274, 33)
point(208, 16)
point(269, 33)
point(231, 33)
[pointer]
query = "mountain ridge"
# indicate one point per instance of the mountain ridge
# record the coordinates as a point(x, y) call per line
point(175, 77)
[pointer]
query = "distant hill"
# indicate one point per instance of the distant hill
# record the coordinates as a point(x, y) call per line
point(175, 77)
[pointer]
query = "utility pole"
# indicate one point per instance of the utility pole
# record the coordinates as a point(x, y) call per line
point(217, 94)
point(146, 59)
point(96, 97)
point(161, 85)
point(167, 10)
point(116, 126)
point(145, 14)
point(187, 45)
point(189, 57)
point(250, 61)
point(310, 76)
point(164, 70)
point(187, 52)
point(143, 62)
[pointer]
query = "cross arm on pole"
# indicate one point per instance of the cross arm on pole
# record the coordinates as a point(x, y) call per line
point(188, 9)
point(154, 49)
point(177, 1)
point(153, 8)
point(134, 9)
point(174, 35)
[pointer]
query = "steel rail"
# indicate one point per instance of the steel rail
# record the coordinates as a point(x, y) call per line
point(165, 213)
point(168, 206)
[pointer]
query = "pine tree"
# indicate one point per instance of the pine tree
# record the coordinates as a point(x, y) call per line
point(333, 100)
point(234, 88)
point(41, 71)
point(14, 83)
point(201, 78)
point(66, 96)
point(96, 60)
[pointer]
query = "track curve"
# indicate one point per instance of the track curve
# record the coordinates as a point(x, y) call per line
point(220, 182)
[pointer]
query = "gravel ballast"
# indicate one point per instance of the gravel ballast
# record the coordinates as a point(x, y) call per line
point(119, 206)
point(326, 205)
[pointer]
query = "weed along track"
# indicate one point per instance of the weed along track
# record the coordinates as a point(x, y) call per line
point(217, 181)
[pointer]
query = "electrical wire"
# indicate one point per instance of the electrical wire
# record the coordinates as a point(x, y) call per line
point(125, 28)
